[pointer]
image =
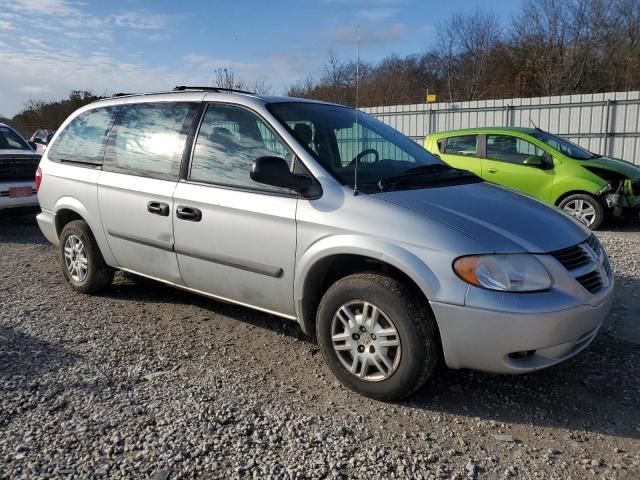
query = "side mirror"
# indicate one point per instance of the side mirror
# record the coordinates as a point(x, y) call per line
point(533, 162)
point(274, 171)
point(38, 140)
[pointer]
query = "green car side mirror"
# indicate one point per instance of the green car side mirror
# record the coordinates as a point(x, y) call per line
point(533, 161)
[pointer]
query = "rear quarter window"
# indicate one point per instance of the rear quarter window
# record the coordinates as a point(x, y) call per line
point(83, 139)
point(149, 139)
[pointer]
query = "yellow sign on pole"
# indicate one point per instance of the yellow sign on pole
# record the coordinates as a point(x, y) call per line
point(431, 98)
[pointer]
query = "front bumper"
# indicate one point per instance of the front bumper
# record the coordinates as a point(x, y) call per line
point(509, 342)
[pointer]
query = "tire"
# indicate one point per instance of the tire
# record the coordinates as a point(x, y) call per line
point(578, 204)
point(81, 261)
point(411, 364)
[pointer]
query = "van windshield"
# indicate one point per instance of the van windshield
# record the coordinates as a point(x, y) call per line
point(565, 147)
point(330, 133)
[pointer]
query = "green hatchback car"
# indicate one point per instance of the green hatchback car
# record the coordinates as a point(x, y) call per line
point(531, 161)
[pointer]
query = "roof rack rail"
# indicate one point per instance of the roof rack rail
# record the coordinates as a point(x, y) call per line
point(122, 94)
point(182, 88)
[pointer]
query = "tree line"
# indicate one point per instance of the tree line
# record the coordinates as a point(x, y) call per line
point(39, 114)
point(551, 47)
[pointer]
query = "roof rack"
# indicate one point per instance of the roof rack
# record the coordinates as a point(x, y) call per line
point(181, 88)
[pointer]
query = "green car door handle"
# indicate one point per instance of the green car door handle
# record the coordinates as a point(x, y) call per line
point(493, 170)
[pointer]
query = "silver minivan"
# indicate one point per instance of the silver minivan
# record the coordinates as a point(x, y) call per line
point(321, 214)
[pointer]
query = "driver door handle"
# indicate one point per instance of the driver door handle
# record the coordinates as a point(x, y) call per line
point(189, 214)
point(492, 170)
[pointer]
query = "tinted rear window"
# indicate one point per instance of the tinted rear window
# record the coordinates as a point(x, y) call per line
point(83, 140)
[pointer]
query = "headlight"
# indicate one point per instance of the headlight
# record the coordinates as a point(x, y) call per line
point(604, 189)
point(508, 272)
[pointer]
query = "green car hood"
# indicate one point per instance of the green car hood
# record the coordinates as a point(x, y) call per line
point(623, 167)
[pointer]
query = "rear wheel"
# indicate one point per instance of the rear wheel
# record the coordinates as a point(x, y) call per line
point(586, 208)
point(376, 336)
point(81, 260)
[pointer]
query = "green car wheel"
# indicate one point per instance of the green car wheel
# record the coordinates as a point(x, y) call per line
point(586, 208)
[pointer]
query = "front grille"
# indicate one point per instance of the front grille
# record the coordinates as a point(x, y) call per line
point(584, 262)
point(591, 281)
point(572, 257)
point(18, 168)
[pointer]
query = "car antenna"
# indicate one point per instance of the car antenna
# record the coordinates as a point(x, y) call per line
point(534, 125)
point(355, 170)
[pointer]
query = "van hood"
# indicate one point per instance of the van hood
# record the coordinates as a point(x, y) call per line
point(622, 167)
point(502, 220)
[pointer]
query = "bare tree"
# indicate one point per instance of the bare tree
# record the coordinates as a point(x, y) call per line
point(260, 87)
point(556, 38)
point(447, 48)
point(302, 88)
point(479, 37)
point(335, 77)
point(465, 43)
point(225, 78)
point(616, 27)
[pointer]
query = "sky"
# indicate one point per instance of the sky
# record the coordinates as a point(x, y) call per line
point(50, 47)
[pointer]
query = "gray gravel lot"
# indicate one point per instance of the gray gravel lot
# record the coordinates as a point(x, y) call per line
point(146, 381)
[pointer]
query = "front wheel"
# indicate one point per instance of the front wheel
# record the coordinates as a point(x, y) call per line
point(586, 208)
point(377, 338)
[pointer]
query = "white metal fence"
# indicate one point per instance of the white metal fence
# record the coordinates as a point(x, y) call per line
point(604, 123)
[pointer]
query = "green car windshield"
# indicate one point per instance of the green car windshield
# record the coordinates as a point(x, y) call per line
point(565, 147)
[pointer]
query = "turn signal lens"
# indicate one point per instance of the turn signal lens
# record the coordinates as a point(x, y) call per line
point(507, 272)
point(38, 179)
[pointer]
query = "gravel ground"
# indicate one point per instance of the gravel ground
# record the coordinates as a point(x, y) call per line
point(146, 381)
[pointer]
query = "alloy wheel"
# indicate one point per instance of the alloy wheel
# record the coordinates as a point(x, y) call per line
point(75, 258)
point(582, 210)
point(366, 341)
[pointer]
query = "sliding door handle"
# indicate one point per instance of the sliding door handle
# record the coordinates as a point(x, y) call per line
point(190, 214)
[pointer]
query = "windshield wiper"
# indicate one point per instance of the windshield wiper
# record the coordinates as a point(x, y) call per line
point(435, 172)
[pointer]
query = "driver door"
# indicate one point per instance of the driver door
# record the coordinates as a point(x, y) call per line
point(505, 165)
point(235, 238)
